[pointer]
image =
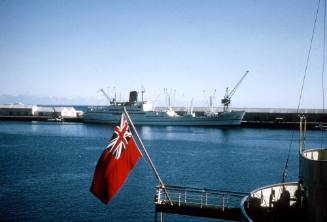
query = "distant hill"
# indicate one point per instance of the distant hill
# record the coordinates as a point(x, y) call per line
point(40, 100)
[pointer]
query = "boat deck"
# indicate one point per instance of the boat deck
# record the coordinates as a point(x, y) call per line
point(198, 202)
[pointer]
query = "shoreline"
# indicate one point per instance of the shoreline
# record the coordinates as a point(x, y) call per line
point(270, 124)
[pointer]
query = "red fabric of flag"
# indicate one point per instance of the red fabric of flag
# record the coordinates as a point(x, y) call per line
point(115, 163)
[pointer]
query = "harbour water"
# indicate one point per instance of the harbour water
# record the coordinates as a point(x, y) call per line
point(46, 168)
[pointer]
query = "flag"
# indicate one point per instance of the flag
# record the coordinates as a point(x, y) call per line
point(115, 163)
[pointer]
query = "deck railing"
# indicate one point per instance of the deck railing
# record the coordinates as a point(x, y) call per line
point(202, 198)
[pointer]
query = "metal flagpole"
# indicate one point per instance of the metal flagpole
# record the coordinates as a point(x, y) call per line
point(155, 172)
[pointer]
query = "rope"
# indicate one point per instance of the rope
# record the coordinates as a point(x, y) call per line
point(284, 175)
point(322, 74)
point(149, 161)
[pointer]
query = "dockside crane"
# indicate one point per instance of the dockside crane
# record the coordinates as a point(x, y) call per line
point(226, 101)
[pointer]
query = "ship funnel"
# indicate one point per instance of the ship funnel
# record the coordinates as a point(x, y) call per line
point(313, 172)
point(133, 96)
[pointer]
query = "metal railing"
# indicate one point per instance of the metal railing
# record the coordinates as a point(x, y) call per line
point(201, 198)
point(265, 202)
point(264, 194)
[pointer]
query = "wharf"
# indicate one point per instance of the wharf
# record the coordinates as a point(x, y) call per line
point(248, 110)
point(282, 125)
point(24, 118)
point(271, 117)
point(283, 118)
point(40, 118)
point(254, 117)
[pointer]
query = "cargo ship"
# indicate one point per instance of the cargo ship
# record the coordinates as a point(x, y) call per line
point(143, 113)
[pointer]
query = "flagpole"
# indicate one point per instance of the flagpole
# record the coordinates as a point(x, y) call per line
point(147, 155)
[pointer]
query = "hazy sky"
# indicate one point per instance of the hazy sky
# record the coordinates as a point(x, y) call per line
point(72, 48)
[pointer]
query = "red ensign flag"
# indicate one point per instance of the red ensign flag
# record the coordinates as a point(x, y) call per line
point(115, 163)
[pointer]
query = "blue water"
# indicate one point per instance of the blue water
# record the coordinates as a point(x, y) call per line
point(46, 168)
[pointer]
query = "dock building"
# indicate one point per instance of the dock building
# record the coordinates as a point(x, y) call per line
point(17, 109)
point(33, 112)
point(69, 112)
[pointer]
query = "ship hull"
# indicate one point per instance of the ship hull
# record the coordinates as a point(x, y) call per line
point(233, 118)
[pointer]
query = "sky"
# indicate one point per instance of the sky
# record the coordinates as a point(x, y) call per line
point(63, 52)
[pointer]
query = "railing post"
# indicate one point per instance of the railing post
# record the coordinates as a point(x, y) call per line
point(179, 199)
point(185, 197)
point(159, 196)
point(206, 199)
point(201, 199)
point(223, 202)
point(162, 219)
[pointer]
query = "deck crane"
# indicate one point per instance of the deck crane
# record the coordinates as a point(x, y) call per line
point(106, 95)
point(228, 95)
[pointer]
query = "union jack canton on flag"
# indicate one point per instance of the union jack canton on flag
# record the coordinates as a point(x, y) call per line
point(120, 138)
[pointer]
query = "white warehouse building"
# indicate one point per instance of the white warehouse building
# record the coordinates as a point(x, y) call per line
point(20, 109)
point(17, 109)
point(69, 112)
